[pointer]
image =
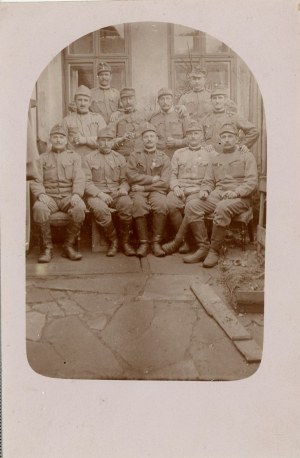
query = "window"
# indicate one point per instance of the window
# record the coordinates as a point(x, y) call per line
point(189, 47)
point(110, 44)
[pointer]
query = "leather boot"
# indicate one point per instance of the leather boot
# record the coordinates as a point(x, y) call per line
point(200, 235)
point(125, 234)
point(158, 226)
point(46, 243)
point(141, 227)
point(217, 239)
point(69, 252)
point(111, 234)
point(174, 245)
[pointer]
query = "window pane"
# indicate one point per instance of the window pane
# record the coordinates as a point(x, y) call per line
point(182, 70)
point(82, 46)
point(186, 40)
point(218, 73)
point(118, 79)
point(81, 74)
point(112, 39)
point(214, 46)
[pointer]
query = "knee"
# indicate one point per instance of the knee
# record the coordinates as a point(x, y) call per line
point(41, 212)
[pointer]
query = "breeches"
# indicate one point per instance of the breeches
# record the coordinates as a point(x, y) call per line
point(42, 212)
point(102, 212)
point(146, 202)
point(178, 203)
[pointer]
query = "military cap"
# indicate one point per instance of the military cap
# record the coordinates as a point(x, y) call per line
point(58, 129)
point(83, 90)
point(148, 127)
point(194, 126)
point(219, 90)
point(198, 70)
point(164, 91)
point(230, 128)
point(103, 67)
point(127, 92)
point(105, 133)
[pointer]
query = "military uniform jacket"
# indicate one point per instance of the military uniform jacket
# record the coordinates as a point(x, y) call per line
point(197, 103)
point(236, 171)
point(132, 122)
point(189, 167)
point(104, 172)
point(170, 125)
point(213, 122)
point(142, 166)
point(87, 125)
point(59, 175)
point(105, 101)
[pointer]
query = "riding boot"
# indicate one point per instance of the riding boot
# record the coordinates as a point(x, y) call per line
point(111, 234)
point(125, 234)
point(158, 226)
point(217, 239)
point(141, 227)
point(200, 235)
point(174, 245)
point(46, 242)
point(72, 231)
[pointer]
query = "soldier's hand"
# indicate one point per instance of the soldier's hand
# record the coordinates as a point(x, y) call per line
point(115, 116)
point(178, 191)
point(75, 199)
point(170, 142)
point(155, 179)
point(229, 195)
point(79, 139)
point(45, 199)
point(137, 188)
point(122, 192)
point(203, 195)
point(181, 110)
point(105, 197)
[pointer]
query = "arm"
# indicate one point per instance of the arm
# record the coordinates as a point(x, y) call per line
point(251, 132)
point(134, 176)
point(124, 186)
point(164, 182)
point(90, 188)
point(174, 172)
point(250, 183)
point(37, 186)
point(209, 181)
point(78, 177)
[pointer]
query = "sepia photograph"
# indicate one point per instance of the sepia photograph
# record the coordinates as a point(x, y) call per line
point(146, 209)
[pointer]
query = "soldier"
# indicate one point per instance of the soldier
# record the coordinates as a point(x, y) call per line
point(105, 99)
point(82, 125)
point(170, 125)
point(59, 186)
point(197, 101)
point(148, 172)
point(129, 124)
point(213, 121)
point(106, 189)
point(189, 165)
point(230, 180)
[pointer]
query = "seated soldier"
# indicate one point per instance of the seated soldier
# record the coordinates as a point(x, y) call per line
point(189, 165)
point(107, 190)
point(230, 180)
point(148, 173)
point(59, 186)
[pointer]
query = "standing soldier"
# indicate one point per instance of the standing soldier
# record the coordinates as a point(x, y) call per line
point(170, 125)
point(59, 186)
point(129, 125)
point(105, 99)
point(148, 172)
point(189, 165)
point(230, 180)
point(106, 188)
point(82, 125)
point(197, 101)
point(213, 121)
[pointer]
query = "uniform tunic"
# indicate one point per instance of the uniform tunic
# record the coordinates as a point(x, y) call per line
point(87, 125)
point(197, 103)
point(213, 122)
point(59, 176)
point(132, 122)
point(142, 166)
point(235, 171)
point(106, 173)
point(105, 101)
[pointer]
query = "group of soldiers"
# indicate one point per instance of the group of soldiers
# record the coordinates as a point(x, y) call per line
point(180, 162)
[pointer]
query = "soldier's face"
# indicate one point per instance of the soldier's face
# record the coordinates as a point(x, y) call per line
point(58, 142)
point(82, 103)
point(218, 102)
point(195, 137)
point(104, 78)
point(105, 144)
point(150, 139)
point(128, 102)
point(228, 141)
point(197, 82)
point(165, 102)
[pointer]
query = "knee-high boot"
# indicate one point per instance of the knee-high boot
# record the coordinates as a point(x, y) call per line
point(217, 239)
point(200, 235)
point(141, 227)
point(46, 245)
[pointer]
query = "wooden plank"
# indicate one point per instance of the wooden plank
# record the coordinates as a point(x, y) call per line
point(261, 235)
point(250, 301)
point(249, 349)
point(262, 184)
point(216, 308)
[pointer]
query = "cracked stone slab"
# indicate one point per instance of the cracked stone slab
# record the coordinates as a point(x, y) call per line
point(95, 322)
point(98, 303)
point(215, 307)
point(175, 287)
point(81, 350)
point(35, 295)
point(249, 348)
point(174, 265)
point(70, 307)
point(50, 308)
point(183, 370)
point(35, 322)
